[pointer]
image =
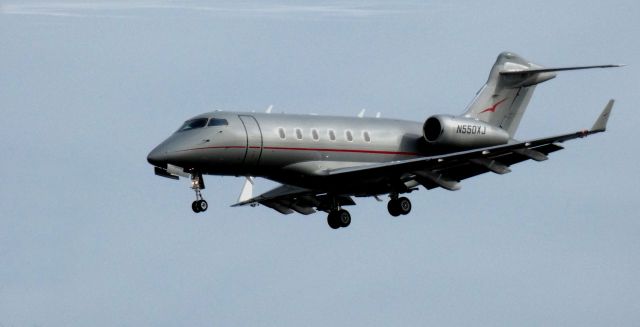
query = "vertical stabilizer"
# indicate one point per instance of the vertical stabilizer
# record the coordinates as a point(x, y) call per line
point(504, 98)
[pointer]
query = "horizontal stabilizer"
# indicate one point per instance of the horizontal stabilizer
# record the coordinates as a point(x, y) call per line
point(551, 70)
point(601, 123)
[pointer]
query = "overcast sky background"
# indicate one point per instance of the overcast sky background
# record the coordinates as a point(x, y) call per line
point(90, 237)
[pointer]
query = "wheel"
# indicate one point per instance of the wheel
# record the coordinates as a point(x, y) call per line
point(343, 217)
point(393, 207)
point(332, 220)
point(404, 205)
point(195, 207)
point(202, 205)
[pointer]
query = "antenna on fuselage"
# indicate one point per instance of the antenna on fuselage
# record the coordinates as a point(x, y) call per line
point(361, 114)
point(269, 109)
point(378, 114)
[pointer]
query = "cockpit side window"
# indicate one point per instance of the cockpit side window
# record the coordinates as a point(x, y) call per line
point(192, 124)
point(218, 122)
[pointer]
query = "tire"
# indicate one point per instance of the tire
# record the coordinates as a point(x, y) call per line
point(394, 208)
point(202, 205)
point(332, 220)
point(195, 207)
point(343, 217)
point(404, 205)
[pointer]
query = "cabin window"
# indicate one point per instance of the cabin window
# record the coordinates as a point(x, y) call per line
point(218, 122)
point(193, 123)
point(314, 134)
point(332, 135)
point(349, 136)
point(281, 133)
point(298, 134)
point(366, 136)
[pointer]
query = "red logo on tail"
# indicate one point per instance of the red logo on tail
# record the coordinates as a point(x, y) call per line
point(493, 108)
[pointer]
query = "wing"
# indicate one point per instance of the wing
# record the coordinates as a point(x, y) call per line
point(444, 171)
point(288, 198)
point(448, 170)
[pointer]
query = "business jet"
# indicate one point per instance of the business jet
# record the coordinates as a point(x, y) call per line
point(324, 162)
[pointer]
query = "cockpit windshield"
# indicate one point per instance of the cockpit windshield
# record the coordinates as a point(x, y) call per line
point(192, 124)
point(218, 122)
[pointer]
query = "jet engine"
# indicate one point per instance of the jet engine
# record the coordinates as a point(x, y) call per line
point(460, 132)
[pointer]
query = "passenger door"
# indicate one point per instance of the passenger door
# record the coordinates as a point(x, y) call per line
point(254, 141)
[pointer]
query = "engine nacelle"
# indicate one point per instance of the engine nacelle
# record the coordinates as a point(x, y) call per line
point(443, 130)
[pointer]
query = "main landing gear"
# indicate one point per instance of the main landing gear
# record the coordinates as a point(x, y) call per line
point(339, 218)
point(399, 206)
point(197, 184)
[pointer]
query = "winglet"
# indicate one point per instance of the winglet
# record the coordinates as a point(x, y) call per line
point(247, 190)
point(601, 123)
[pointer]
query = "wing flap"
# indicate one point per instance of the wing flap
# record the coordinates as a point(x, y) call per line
point(427, 178)
point(469, 169)
point(492, 165)
point(531, 154)
point(278, 207)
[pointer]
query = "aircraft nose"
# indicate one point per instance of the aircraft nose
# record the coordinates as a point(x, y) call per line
point(157, 157)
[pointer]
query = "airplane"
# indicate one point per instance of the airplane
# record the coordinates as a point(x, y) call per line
point(324, 162)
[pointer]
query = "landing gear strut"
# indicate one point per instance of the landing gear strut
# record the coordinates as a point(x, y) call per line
point(197, 183)
point(339, 218)
point(399, 206)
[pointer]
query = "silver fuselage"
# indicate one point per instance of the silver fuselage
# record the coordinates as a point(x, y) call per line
point(294, 149)
point(323, 161)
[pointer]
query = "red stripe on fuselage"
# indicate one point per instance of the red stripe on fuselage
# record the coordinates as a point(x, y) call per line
point(341, 150)
point(307, 149)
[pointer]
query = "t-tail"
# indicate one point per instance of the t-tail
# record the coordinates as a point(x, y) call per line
point(503, 100)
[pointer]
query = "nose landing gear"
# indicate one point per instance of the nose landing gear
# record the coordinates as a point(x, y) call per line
point(197, 184)
point(199, 206)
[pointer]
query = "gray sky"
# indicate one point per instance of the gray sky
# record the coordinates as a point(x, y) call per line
point(90, 237)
